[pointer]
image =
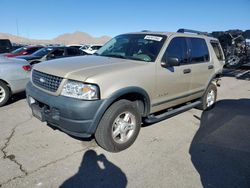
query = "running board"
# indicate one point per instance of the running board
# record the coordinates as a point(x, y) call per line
point(153, 119)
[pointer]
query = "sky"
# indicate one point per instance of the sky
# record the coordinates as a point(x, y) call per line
point(46, 19)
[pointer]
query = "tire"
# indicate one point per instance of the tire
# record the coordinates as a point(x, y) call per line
point(4, 93)
point(206, 103)
point(119, 126)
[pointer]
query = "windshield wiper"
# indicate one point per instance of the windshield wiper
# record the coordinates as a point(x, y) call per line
point(115, 55)
point(137, 58)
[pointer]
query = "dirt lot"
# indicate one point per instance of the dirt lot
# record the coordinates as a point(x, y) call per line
point(193, 149)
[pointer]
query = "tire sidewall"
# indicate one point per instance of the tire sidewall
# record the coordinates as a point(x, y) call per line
point(134, 111)
point(7, 94)
point(108, 119)
point(210, 87)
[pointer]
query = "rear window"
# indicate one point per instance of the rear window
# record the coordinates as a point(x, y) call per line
point(32, 50)
point(217, 50)
point(5, 46)
point(199, 50)
point(4, 43)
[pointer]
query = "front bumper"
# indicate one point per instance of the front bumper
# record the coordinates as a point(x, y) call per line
point(75, 117)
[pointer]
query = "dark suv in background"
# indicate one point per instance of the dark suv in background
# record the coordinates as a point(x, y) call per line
point(5, 46)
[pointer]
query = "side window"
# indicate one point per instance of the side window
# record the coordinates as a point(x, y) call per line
point(32, 50)
point(96, 47)
point(58, 52)
point(217, 50)
point(199, 51)
point(72, 52)
point(177, 48)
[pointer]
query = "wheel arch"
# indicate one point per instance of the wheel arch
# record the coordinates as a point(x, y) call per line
point(7, 84)
point(129, 93)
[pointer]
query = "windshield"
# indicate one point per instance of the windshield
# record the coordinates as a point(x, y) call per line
point(142, 47)
point(19, 50)
point(42, 52)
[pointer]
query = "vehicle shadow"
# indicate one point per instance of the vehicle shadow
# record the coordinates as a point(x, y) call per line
point(220, 150)
point(96, 171)
point(16, 97)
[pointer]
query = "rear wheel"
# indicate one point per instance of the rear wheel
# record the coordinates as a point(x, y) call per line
point(119, 126)
point(209, 98)
point(4, 93)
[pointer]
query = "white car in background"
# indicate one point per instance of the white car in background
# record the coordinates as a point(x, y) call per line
point(14, 75)
point(91, 49)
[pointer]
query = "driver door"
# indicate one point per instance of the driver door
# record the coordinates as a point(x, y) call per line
point(173, 82)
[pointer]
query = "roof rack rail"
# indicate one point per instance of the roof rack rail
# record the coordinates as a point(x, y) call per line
point(192, 31)
point(145, 31)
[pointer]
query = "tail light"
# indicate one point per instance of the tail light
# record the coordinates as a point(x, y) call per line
point(27, 67)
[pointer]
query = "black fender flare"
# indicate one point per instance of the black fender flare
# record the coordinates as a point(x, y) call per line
point(114, 97)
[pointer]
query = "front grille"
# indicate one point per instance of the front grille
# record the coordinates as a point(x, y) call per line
point(46, 81)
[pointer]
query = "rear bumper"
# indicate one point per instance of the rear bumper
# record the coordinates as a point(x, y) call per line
point(75, 117)
point(18, 85)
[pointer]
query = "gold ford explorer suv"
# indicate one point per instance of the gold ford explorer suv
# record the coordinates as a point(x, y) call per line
point(134, 78)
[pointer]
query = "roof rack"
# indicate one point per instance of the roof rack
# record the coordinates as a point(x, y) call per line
point(192, 31)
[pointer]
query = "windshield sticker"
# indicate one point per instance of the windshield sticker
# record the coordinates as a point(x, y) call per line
point(151, 37)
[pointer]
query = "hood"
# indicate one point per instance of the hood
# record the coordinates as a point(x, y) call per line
point(83, 67)
point(28, 57)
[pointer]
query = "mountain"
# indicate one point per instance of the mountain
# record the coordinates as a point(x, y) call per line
point(67, 38)
point(80, 37)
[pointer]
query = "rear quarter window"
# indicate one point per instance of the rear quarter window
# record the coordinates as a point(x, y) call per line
point(198, 50)
point(217, 50)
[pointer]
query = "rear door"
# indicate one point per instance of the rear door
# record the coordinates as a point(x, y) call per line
point(202, 66)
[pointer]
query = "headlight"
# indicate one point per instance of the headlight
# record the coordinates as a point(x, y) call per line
point(80, 90)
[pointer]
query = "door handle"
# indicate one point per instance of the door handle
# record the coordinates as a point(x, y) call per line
point(210, 66)
point(186, 71)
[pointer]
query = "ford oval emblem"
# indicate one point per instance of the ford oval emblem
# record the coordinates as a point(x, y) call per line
point(42, 80)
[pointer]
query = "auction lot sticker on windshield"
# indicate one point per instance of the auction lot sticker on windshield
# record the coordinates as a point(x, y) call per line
point(151, 37)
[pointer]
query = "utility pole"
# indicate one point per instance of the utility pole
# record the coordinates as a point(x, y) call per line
point(17, 29)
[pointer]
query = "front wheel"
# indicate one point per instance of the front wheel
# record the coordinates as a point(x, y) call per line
point(119, 126)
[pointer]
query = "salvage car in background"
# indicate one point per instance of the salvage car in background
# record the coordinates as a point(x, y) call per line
point(14, 75)
point(235, 46)
point(50, 53)
point(91, 49)
point(26, 50)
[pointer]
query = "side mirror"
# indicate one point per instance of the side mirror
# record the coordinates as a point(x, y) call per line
point(170, 62)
